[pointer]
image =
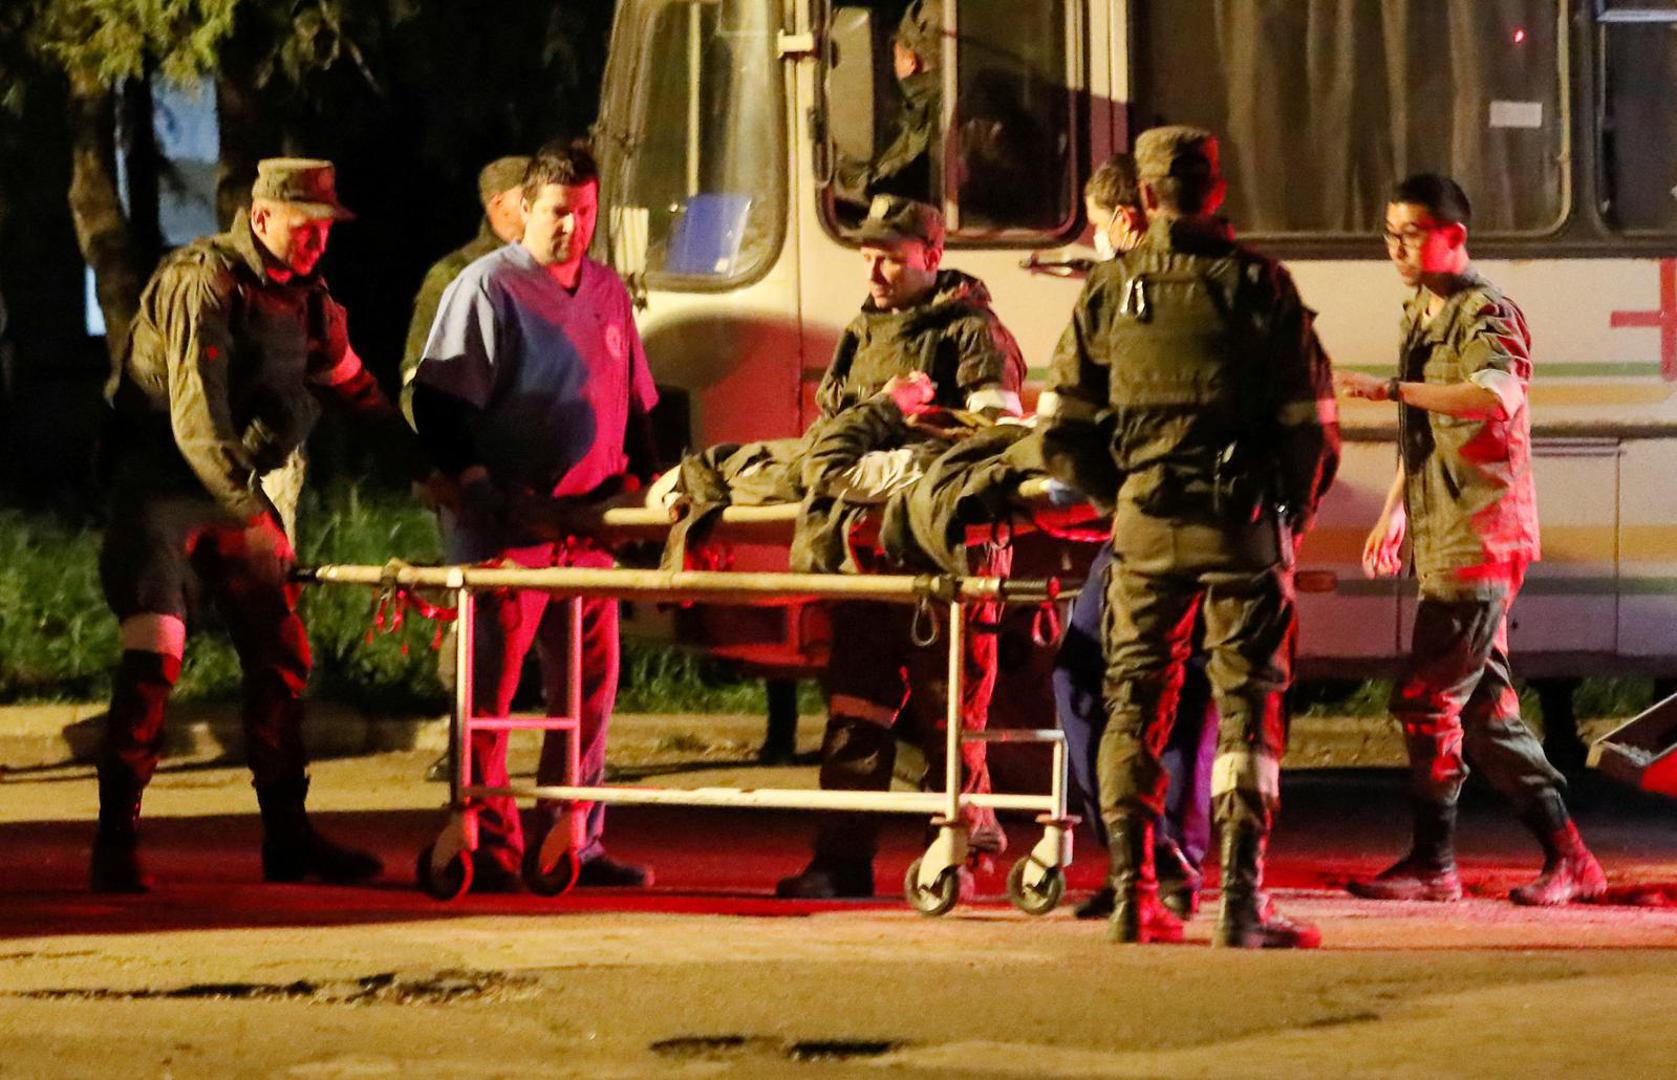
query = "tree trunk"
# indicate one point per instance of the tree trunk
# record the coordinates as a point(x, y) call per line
point(144, 161)
point(102, 230)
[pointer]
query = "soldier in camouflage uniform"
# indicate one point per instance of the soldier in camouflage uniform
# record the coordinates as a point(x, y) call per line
point(926, 335)
point(499, 189)
point(904, 167)
point(1464, 494)
point(1112, 201)
point(1225, 438)
point(236, 342)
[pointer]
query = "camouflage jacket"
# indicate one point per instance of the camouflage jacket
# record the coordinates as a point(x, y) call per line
point(425, 303)
point(904, 167)
point(1195, 383)
point(954, 337)
point(219, 380)
point(1468, 483)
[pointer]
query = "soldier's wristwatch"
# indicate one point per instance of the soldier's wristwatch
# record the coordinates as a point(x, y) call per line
point(1392, 388)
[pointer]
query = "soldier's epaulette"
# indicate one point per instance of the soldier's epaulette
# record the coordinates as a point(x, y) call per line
point(205, 256)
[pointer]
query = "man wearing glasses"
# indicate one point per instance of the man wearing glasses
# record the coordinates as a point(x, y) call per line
point(1464, 493)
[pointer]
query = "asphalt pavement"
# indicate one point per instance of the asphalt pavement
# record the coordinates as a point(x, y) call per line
point(216, 974)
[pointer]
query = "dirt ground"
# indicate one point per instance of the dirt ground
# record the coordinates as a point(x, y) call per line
point(216, 975)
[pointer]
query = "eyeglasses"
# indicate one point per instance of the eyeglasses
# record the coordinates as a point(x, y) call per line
point(1410, 236)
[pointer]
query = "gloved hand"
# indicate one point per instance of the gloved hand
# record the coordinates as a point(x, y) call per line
point(269, 548)
point(438, 491)
point(912, 393)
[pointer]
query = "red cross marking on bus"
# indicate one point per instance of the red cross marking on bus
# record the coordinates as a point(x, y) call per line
point(1665, 319)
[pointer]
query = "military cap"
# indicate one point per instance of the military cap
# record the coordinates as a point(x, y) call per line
point(893, 219)
point(921, 29)
point(502, 174)
point(1176, 150)
point(307, 183)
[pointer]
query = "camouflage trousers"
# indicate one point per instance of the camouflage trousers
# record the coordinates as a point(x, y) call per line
point(1456, 700)
point(882, 686)
point(1250, 623)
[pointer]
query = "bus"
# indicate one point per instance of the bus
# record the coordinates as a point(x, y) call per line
point(724, 123)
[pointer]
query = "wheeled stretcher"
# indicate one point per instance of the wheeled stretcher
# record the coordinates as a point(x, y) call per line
point(932, 884)
point(1642, 752)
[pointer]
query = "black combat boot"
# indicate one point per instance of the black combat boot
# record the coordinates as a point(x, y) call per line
point(829, 878)
point(133, 740)
point(1099, 905)
point(1428, 872)
point(856, 755)
point(1137, 915)
point(1570, 872)
point(1247, 920)
point(116, 846)
point(293, 851)
point(1179, 882)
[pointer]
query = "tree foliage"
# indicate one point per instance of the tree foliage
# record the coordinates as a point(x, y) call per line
point(108, 41)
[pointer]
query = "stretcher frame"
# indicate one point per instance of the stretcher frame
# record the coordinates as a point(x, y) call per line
point(933, 883)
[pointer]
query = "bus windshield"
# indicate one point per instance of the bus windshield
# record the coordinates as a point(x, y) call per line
point(693, 137)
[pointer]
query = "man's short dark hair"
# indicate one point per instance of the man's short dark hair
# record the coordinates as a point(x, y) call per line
point(1185, 195)
point(1114, 185)
point(566, 162)
point(1443, 198)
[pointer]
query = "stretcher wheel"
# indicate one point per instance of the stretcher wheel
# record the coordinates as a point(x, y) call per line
point(1038, 899)
point(555, 880)
point(944, 894)
point(452, 883)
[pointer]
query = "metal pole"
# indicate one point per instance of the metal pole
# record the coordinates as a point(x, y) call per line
point(695, 87)
point(697, 585)
point(573, 741)
point(952, 737)
point(1057, 782)
point(465, 621)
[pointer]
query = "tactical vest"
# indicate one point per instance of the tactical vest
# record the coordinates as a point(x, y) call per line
point(1187, 349)
point(271, 328)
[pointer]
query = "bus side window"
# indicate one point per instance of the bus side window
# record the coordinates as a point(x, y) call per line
point(982, 125)
point(1013, 157)
point(1322, 106)
point(1638, 152)
point(851, 90)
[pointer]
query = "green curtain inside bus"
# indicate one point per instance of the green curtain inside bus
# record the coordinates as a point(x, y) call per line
point(1321, 104)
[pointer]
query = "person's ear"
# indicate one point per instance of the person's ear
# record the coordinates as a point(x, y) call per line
point(1455, 234)
point(1149, 198)
point(934, 259)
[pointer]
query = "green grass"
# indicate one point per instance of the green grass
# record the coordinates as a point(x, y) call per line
point(58, 640)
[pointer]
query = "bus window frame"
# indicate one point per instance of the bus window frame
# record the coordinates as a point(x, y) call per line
point(626, 134)
point(1603, 22)
point(1077, 93)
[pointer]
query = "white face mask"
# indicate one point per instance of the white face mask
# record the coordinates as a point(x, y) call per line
point(1104, 248)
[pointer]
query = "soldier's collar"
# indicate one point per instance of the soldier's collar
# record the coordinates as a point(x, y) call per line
point(922, 86)
point(1437, 328)
point(249, 248)
point(1189, 231)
